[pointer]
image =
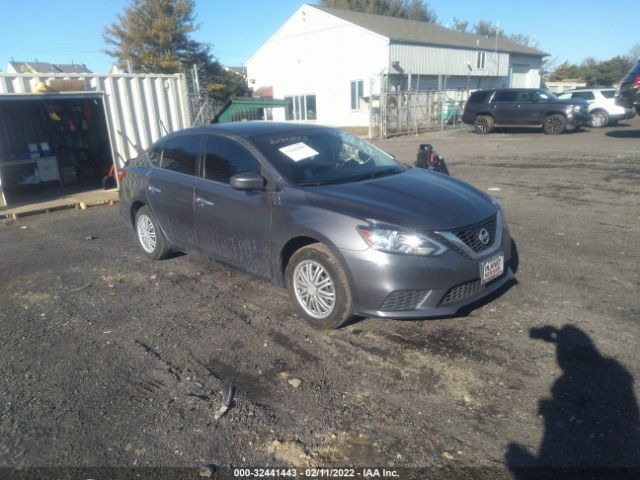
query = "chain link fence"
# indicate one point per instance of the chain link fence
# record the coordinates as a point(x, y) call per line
point(412, 112)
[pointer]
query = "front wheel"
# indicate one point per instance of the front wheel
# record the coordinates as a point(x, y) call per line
point(150, 236)
point(319, 287)
point(554, 124)
point(599, 119)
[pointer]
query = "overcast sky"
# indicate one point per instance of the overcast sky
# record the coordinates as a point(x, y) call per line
point(71, 30)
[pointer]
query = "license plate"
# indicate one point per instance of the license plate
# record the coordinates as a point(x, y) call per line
point(491, 268)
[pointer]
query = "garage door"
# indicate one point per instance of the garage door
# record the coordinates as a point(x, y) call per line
point(520, 76)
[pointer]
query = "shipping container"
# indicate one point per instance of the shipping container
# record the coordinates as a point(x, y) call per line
point(81, 125)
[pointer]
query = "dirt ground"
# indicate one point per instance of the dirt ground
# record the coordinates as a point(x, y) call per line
point(108, 359)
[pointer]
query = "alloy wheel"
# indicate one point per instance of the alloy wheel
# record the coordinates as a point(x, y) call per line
point(314, 289)
point(146, 233)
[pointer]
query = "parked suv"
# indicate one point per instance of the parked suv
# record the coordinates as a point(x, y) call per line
point(629, 92)
point(513, 107)
point(602, 105)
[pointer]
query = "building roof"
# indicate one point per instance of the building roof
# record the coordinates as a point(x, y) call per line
point(413, 31)
point(46, 67)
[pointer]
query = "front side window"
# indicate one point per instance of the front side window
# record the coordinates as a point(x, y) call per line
point(357, 92)
point(180, 154)
point(225, 158)
point(322, 157)
point(585, 95)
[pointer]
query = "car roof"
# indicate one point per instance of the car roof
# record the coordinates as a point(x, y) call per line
point(590, 89)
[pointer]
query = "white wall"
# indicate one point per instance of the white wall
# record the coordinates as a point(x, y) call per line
point(317, 53)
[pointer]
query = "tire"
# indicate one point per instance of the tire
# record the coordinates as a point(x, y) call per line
point(599, 119)
point(554, 124)
point(149, 235)
point(483, 124)
point(333, 307)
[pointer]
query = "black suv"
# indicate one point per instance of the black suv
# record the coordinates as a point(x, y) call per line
point(629, 92)
point(512, 107)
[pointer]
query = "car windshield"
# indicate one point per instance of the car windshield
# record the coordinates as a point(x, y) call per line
point(323, 157)
point(546, 94)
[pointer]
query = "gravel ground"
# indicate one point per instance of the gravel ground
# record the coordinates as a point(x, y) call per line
point(108, 359)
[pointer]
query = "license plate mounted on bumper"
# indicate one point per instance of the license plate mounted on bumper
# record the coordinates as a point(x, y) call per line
point(491, 268)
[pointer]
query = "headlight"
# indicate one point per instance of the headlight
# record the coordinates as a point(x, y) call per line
point(391, 239)
point(576, 109)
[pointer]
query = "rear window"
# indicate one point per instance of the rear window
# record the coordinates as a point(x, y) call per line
point(608, 93)
point(477, 97)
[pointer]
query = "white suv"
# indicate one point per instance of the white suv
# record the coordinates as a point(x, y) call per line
point(602, 105)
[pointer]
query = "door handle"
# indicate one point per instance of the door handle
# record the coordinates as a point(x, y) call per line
point(204, 202)
point(154, 189)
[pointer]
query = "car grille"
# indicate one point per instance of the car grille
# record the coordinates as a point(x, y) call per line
point(402, 300)
point(462, 291)
point(469, 235)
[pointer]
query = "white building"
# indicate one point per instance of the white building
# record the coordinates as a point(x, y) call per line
point(328, 62)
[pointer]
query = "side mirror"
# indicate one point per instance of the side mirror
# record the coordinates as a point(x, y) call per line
point(247, 181)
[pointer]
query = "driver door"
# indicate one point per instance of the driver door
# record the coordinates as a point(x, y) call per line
point(232, 226)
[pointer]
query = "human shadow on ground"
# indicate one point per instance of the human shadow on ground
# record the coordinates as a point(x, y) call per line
point(592, 427)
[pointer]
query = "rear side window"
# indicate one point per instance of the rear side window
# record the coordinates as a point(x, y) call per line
point(585, 95)
point(226, 158)
point(477, 97)
point(505, 96)
point(608, 93)
point(180, 154)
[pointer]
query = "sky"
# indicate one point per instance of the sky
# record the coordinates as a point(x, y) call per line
point(71, 30)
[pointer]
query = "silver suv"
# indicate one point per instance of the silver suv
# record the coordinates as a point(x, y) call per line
point(602, 105)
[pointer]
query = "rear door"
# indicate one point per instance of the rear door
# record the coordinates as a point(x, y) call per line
point(233, 226)
point(503, 106)
point(171, 189)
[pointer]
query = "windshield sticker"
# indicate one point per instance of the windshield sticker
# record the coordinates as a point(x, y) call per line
point(298, 151)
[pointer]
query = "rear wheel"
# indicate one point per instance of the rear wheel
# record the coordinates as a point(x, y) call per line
point(150, 236)
point(599, 119)
point(319, 287)
point(554, 124)
point(483, 124)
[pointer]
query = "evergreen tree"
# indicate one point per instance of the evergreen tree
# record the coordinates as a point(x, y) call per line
point(154, 37)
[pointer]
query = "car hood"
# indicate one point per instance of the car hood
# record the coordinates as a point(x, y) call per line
point(415, 198)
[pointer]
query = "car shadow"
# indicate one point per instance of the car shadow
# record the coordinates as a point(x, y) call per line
point(623, 133)
point(533, 130)
point(591, 420)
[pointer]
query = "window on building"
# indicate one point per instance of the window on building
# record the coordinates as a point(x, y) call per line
point(481, 59)
point(357, 92)
point(180, 154)
point(226, 158)
point(301, 107)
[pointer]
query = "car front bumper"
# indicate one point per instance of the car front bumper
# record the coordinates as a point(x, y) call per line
point(576, 120)
point(405, 286)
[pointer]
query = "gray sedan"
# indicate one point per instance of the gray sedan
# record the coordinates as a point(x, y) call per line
point(337, 221)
